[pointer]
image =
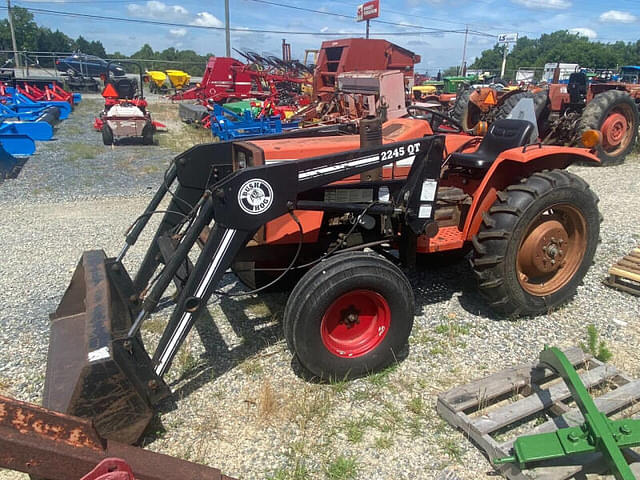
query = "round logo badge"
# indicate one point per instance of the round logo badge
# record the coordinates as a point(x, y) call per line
point(255, 196)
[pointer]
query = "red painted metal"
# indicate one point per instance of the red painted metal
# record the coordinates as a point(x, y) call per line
point(355, 323)
point(52, 445)
point(614, 130)
point(226, 79)
point(357, 54)
point(110, 469)
point(368, 10)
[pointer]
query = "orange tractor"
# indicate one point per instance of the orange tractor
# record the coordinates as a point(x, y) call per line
point(564, 112)
point(341, 216)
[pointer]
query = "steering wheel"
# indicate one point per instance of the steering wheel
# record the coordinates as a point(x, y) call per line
point(445, 119)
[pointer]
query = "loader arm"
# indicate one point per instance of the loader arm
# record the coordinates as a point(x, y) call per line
point(97, 365)
point(242, 202)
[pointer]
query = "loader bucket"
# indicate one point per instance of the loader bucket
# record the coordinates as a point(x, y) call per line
point(92, 372)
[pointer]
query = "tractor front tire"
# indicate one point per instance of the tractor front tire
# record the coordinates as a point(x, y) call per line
point(107, 134)
point(510, 103)
point(615, 114)
point(536, 243)
point(349, 315)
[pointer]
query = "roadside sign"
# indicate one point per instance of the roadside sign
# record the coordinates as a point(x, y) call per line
point(369, 10)
point(508, 38)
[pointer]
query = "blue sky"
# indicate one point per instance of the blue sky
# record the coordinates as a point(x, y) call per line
point(598, 20)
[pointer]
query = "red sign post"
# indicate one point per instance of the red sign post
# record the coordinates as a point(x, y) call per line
point(367, 11)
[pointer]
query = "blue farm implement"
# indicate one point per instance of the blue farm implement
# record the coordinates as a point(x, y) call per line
point(8, 164)
point(38, 130)
point(228, 125)
point(17, 144)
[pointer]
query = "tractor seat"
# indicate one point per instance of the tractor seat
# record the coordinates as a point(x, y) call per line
point(502, 135)
point(125, 87)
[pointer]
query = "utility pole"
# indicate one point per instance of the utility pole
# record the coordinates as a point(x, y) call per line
point(13, 34)
point(367, 28)
point(226, 27)
point(463, 67)
point(504, 60)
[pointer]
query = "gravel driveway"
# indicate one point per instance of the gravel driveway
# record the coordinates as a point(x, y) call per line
point(240, 405)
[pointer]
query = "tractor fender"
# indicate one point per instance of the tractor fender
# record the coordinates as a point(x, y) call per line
point(513, 165)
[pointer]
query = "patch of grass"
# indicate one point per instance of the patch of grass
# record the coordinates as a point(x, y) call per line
point(82, 151)
point(252, 367)
point(416, 405)
point(354, 431)
point(381, 378)
point(596, 348)
point(296, 472)
point(415, 426)
point(421, 337)
point(342, 468)
point(312, 405)
point(452, 329)
point(339, 385)
point(181, 137)
point(389, 419)
point(154, 325)
point(382, 443)
point(452, 449)
point(186, 360)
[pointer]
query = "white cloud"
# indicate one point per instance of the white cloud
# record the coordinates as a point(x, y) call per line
point(178, 32)
point(544, 4)
point(616, 16)
point(205, 19)
point(584, 32)
point(158, 11)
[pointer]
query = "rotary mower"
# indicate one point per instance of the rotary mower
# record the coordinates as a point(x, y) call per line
point(125, 114)
point(342, 217)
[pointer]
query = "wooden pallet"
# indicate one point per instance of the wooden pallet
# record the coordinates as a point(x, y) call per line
point(495, 410)
point(625, 274)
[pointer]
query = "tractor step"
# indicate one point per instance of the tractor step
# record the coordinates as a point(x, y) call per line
point(625, 274)
point(497, 409)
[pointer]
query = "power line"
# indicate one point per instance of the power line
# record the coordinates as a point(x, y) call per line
point(351, 17)
point(210, 27)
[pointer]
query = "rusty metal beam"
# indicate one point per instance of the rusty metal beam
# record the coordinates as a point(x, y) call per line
point(56, 446)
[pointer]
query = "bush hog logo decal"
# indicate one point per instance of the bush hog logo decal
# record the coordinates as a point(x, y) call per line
point(255, 196)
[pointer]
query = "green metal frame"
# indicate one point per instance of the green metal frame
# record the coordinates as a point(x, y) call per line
point(597, 434)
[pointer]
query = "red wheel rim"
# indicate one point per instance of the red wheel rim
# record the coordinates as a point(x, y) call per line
point(355, 323)
point(617, 130)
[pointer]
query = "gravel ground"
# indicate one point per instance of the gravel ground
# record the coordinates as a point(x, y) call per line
point(242, 405)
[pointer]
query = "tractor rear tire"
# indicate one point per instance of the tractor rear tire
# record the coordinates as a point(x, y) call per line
point(536, 243)
point(107, 134)
point(510, 103)
point(147, 135)
point(615, 114)
point(460, 112)
point(349, 315)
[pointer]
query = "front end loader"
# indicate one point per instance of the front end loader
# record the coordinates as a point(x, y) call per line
point(342, 216)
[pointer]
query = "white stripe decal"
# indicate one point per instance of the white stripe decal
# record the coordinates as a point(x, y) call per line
point(202, 287)
point(338, 167)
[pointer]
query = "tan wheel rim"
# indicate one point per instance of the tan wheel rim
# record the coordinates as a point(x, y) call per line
point(552, 250)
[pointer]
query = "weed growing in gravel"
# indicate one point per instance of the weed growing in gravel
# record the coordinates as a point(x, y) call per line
point(452, 449)
point(251, 367)
point(381, 378)
point(342, 468)
point(186, 360)
point(299, 472)
point(339, 385)
point(5, 385)
point(416, 406)
point(154, 325)
point(595, 348)
point(382, 443)
point(354, 431)
point(267, 402)
point(82, 151)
